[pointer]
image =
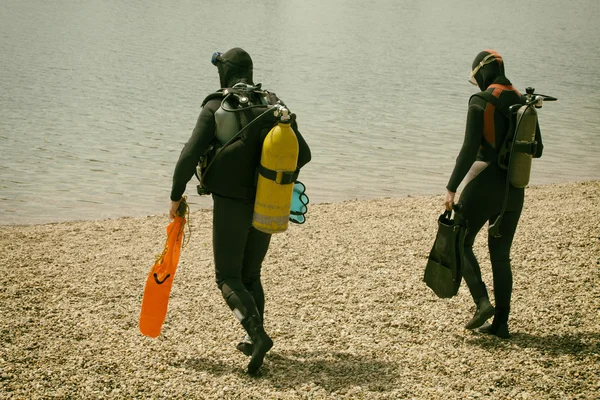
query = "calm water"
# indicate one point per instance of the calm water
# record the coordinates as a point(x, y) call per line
point(97, 98)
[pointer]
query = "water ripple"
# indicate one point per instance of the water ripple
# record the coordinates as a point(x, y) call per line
point(98, 99)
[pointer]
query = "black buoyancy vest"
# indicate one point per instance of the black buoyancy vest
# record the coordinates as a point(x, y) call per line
point(491, 144)
point(232, 166)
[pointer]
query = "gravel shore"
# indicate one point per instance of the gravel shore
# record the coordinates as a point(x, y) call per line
point(346, 307)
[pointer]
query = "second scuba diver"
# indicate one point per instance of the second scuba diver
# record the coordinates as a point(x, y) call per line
point(229, 133)
point(483, 195)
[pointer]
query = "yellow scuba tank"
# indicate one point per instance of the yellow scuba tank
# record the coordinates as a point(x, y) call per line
point(277, 173)
point(519, 163)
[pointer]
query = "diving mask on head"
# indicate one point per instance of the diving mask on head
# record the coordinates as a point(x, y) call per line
point(216, 57)
point(490, 58)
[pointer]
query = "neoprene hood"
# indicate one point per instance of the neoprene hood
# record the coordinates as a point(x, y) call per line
point(488, 73)
point(235, 65)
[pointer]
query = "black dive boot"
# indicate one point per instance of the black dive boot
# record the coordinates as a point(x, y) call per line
point(499, 326)
point(496, 329)
point(256, 290)
point(261, 342)
point(245, 346)
point(244, 308)
point(484, 311)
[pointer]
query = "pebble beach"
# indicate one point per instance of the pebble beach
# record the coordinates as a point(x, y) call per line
point(346, 306)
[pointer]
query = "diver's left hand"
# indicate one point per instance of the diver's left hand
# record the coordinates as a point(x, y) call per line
point(449, 202)
point(174, 208)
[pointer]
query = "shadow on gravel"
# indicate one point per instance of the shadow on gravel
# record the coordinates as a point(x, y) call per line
point(573, 344)
point(211, 366)
point(331, 371)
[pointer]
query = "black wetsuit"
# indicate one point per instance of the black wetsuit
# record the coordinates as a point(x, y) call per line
point(485, 186)
point(239, 248)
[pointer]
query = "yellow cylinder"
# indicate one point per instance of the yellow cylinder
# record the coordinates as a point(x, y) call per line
point(274, 196)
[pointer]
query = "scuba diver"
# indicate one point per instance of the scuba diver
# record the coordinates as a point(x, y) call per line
point(228, 138)
point(486, 194)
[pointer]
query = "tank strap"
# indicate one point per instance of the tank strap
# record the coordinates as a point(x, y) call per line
point(216, 95)
point(244, 121)
point(490, 151)
point(525, 147)
point(244, 118)
point(487, 96)
point(279, 177)
point(509, 88)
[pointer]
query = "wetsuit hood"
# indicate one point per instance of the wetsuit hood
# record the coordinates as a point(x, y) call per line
point(234, 66)
point(492, 72)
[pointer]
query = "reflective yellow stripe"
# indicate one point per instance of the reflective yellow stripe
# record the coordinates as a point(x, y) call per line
point(269, 220)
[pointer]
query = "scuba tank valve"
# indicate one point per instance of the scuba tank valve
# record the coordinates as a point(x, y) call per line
point(282, 113)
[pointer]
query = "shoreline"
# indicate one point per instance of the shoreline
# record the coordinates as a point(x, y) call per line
point(345, 305)
point(209, 209)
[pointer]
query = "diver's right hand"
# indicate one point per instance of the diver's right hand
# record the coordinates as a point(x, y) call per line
point(449, 201)
point(174, 207)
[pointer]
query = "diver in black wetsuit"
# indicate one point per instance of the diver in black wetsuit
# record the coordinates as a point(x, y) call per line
point(484, 190)
point(239, 248)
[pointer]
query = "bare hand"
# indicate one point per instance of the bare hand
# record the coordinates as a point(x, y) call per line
point(449, 202)
point(174, 208)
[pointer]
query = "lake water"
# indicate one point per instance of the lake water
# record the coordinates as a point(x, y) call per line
point(97, 98)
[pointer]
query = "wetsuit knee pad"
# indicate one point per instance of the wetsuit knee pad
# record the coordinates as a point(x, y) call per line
point(229, 287)
point(239, 300)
